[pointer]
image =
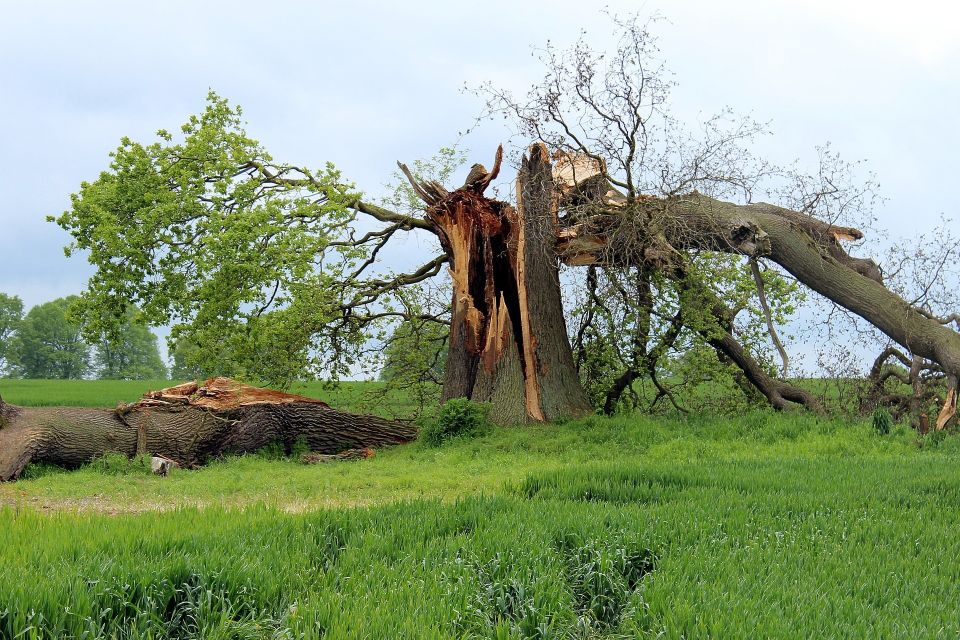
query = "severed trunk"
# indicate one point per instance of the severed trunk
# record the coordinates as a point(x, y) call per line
point(189, 424)
point(508, 337)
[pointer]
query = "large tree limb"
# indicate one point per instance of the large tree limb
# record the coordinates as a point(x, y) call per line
point(189, 424)
point(849, 282)
point(807, 248)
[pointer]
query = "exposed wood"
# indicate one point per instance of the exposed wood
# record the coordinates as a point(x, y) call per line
point(508, 341)
point(221, 394)
point(949, 409)
point(187, 425)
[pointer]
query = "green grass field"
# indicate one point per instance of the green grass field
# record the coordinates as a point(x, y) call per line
point(763, 526)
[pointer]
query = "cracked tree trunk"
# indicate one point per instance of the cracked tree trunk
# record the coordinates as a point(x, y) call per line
point(189, 424)
point(508, 337)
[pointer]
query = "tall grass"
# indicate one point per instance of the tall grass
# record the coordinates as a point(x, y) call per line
point(770, 526)
point(821, 548)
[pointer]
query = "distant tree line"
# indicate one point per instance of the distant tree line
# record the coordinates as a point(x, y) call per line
point(48, 342)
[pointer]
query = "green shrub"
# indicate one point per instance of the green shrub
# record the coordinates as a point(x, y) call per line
point(882, 421)
point(113, 463)
point(457, 418)
point(299, 448)
point(276, 449)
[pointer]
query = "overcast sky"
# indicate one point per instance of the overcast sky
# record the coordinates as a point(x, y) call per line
point(363, 84)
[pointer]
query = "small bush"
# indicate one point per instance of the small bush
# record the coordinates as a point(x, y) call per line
point(457, 418)
point(40, 469)
point(882, 421)
point(299, 448)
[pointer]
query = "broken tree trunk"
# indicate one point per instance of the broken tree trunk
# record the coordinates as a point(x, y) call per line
point(189, 424)
point(508, 338)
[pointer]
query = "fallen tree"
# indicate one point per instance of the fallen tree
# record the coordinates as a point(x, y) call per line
point(189, 424)
point(265, 267)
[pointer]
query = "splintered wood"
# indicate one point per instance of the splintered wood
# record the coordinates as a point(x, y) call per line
point(496, 330)
point(220, 394)
point(949, 409)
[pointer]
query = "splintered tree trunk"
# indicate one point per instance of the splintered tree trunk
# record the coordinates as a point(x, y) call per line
point(508, 337)
point(189, 424)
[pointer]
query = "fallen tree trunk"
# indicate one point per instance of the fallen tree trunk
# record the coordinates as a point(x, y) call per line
point(189, 424)
point(607, 228)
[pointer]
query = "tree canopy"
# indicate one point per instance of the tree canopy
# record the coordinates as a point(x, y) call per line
point(11, 314)
point(130, 353)
point(49, 343)
point(260, 263)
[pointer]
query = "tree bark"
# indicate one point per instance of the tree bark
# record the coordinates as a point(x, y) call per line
point(508, 339)
point(220, 417)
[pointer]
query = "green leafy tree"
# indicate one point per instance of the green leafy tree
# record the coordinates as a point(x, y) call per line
point(416, 352)
point(49, 343)
point(185, 362)
point(131, 353)
point(253, 262)
point(11, 314)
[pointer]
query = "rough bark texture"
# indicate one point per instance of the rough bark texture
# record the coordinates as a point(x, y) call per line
point(508, 338)
point(188, 424)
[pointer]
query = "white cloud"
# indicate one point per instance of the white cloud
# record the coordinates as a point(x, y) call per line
point(923, 30)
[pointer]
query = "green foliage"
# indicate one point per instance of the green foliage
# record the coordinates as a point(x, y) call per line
point(279, 450)
point(188, 363)
point(238, 251)
point(129, 353)
point(49, 344)
point(882, 421)
point(416, 352)
point(11, 315)
point(657, 331)
point(118, 464)
point(458, 418)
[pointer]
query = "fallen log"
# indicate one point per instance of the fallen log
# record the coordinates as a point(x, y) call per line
point(188, 424)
